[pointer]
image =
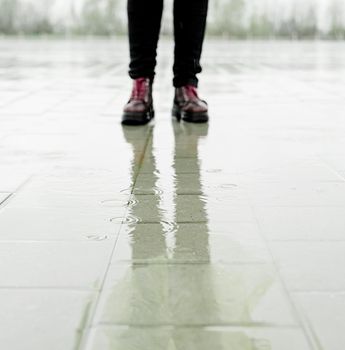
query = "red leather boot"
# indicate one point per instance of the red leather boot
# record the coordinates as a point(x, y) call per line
point(139, 109)
point(188, 106)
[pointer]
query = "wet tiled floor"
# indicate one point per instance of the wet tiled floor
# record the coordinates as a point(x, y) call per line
point(227, 236)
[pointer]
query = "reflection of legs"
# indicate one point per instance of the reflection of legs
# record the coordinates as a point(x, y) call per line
point(189, 22)
point(143, 246)
point(186, 140)
point(144, 21)
point(151, 246)
point(180, 293)
point(144, 291)
point(192, 243)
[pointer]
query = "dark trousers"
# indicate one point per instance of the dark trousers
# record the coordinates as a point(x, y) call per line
point(144, 22)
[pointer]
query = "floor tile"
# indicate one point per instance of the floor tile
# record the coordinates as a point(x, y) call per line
point(298, 194)
point(191, 184)
point(212, 206)
point(182, 166)
point(189, 208)
point(42, 319)
point(311, 266)
point(93, 201)
point(13, 176)
point(63, 224)
point(193, 294)
point(235, 242)
point(108, 338)
point(302, 223)
point(336, 161)
point(325, 315)
point(54, 264)
point(311, 171)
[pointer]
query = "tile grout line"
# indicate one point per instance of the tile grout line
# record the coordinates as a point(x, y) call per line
point(28, 94)
point(299, 317)
point(12, 195)
point(230, 325)
point(70, 96)
point(52, 288)
point(6, 199)
point(330, 167)
point(84, 338)
point(309, 338)
point(307, 326)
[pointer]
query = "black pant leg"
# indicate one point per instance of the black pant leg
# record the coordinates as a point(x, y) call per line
point(144, 22)
point(190, 23)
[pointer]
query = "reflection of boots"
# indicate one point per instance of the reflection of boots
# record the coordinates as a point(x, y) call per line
point(139, 109)
point(189, 134)
point(188, 106)
point(137, 138)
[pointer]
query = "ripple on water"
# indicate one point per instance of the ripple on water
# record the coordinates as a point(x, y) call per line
point(127, 190)
point(132, 202)
point(158, 191)
point(170, 226)
point(119, 202)
point(129, 219)
point(154, 190)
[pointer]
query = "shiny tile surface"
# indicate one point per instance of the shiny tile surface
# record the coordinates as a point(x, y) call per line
point(194, 295)
point(54, 264)
point(298, 259)
point(64, 224)
point(42, 318)
point(194, 339)
point(193, 242)
point(311, 223)
point(227, 236)
point(325, 314)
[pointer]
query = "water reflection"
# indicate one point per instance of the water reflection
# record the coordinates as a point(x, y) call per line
point(174, 230)
point(168, 284)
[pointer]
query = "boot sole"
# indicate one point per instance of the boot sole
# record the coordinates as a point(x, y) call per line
point(137, 118)
point(188, 116)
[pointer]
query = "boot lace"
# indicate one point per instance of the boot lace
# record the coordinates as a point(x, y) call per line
point(191, 92)
point(139, 91)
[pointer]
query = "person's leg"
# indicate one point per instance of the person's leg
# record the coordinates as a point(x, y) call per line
point(144, 21)
point(190, 23)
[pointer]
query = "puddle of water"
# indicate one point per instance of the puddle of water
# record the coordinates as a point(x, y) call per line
point(194, 292)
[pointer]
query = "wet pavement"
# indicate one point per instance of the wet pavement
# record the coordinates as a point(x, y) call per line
point(228, 236)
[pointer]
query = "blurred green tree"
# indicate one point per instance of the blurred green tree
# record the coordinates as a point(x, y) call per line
point(336, 12)
point(9, 9)
point(100, 17)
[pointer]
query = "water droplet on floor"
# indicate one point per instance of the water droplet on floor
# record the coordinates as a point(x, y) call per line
point(226, 186)
point(214, 170)
point(97, 237)
point(118, 202)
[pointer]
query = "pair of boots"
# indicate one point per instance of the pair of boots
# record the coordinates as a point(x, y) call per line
point(187, 104)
